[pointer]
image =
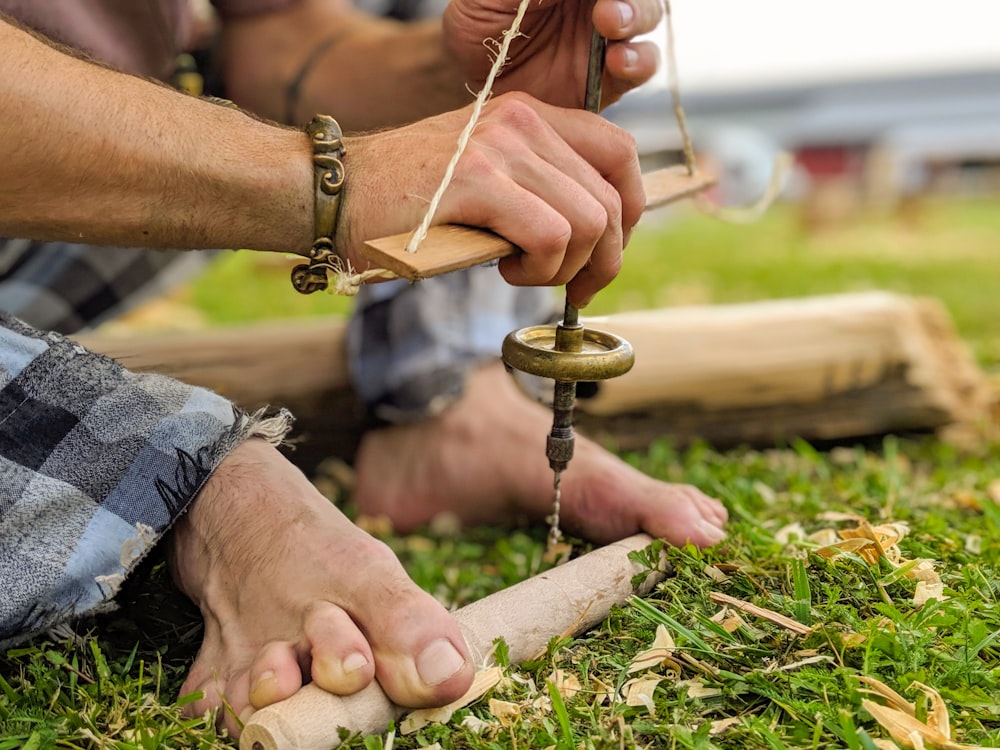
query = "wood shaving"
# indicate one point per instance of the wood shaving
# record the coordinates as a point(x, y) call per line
point(786, 534)
point(656, 655)
point(602, 691)
point(881, 542)
point(974, 544)
point(505, 711)
point(482, 683)
point(722, 725)
point(639, 692)
point(993, 490)
point(899, 717)
point(698, 689)
point(566, 683)
point(476, 725)
point(799, 664)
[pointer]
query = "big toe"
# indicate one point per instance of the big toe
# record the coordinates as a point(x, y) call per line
point(421, 657)
point(417, 651)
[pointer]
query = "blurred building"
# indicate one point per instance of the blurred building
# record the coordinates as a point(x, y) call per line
point(881, 139)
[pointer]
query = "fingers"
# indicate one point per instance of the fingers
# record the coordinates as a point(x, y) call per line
point(563, 185)
point(623, 19)
point(628, 63)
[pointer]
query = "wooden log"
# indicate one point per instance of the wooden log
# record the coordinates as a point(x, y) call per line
point(822, 368)
point(564, 601)
point(450, 247)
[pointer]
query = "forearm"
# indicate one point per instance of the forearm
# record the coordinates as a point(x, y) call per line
point(92, 155)
point(367, 72)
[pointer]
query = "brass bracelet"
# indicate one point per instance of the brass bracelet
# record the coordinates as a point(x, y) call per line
point(328, 181)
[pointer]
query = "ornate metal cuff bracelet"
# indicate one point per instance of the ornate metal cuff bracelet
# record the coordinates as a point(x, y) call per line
point(328, 180)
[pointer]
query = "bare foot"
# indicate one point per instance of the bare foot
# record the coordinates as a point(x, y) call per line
point(484, 460)
point(292, 591)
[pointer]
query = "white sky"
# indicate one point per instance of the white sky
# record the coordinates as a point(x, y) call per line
point(726, 42)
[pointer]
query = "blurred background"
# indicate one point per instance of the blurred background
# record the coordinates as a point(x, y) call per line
point(890, 110)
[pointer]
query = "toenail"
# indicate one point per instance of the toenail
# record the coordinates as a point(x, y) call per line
point(438, 662)
point(265, 684)
point(711, 531)
point(355, 661)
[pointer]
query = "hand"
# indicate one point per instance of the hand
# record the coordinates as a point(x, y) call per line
point(550, 61)
point(563, 185)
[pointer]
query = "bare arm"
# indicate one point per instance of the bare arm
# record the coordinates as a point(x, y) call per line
point(91, 155)
point(367, 72)
point(372, 73)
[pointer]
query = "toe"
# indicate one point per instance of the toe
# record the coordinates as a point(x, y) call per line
point(275, 674)
point(342, 660)
point(215, 697)
point(420, 655)
point(428, 668)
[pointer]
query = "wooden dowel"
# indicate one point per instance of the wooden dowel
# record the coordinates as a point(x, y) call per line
point(450, 247)
point(564, 601)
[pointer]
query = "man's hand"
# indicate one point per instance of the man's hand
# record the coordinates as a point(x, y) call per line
point(551, 61)
point(563, 185)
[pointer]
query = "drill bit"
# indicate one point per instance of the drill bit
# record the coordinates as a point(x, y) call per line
point(569, 333)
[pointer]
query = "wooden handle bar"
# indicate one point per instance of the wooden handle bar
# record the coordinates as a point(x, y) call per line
point(450, 247)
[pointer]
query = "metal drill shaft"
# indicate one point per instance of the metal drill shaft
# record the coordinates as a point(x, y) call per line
point(559, 444)
point(569, 333)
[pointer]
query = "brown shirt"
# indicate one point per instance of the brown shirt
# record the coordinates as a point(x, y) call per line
point(139, 36)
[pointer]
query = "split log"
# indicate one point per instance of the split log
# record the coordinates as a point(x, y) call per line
point(566, 600)
point(822, 368)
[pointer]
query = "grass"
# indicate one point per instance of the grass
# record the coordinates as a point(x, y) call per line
point(728, 683)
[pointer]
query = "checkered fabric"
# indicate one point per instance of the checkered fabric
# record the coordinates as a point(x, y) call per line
point(96, 463)
point(66, 287)
point(410, 346)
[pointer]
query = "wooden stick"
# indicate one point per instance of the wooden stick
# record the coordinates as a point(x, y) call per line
point(765, 614)
point(450, 247)
point(569, 599)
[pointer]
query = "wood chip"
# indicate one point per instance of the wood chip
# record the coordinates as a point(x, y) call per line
point(719, 726)
point(566, 683)
point(899, 717)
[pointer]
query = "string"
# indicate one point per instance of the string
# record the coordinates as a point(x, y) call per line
point(782, 165)
point(499, 61)
point(675, 90)
point(347, 282)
